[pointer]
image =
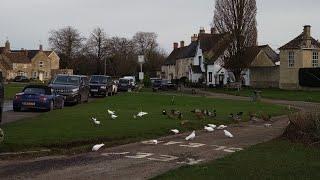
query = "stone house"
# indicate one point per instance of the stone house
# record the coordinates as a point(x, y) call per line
point(34, 64)
point(264, 69)
point(300, 53)
point(190, 61)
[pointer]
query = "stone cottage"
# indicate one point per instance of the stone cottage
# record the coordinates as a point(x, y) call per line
point(34, 64)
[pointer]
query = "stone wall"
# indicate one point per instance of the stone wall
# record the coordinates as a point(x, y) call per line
point(265, 77)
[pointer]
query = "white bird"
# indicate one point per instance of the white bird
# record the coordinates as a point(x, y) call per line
point(175, 131)
point(221, 127)
point(191, 136)
point(209, 129)
point(268, 125)
point(228, 134)
point(95, 121)
point(111, 112)
point(154, 141)
point(113, 116)
point(97, 147)
point(140, 114)
point(212, 125)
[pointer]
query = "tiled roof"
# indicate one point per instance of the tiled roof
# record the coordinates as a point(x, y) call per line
point(251, 53)
point(23, 56)
point(182, 53)
point(299, 42)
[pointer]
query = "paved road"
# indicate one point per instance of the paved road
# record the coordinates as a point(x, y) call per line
point(143, 160)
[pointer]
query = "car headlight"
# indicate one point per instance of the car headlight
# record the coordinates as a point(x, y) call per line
point(75, 90)
point(103, 87)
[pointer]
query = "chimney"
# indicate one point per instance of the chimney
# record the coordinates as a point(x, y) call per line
point(194, 38)
point(175, 45)
point(40, 47)
point(213, 30)
point(181, 43)
point(7, 46)
point(307, 35)
point(307, 31)
point(202, 30)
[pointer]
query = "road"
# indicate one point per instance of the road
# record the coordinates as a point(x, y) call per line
point(143, 160)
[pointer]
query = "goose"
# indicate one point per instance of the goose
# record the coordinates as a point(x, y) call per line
point(175, 131)
point(95, 121)
point(212, 125)
point(221, 127)
point(141, 114)
point(209, 129)
point(114, 116)
point(110, 112)
point(97, 147)
point(191, 136)
point(228, 134)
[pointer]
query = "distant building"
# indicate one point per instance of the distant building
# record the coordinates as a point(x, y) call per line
point(34, 64)
point(300, 53)
point(189, 61)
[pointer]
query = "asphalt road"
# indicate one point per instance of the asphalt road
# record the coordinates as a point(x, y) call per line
point(143, 160)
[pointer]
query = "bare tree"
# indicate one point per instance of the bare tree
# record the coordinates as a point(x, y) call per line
point(96, 48)
point(237, 17)
point(145, 42)
point(67, 42)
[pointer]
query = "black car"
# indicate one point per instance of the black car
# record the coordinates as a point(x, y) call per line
point(101, 85)
point(124, 85)
point(74, 88)
point(21, 79)
point(163, 85)
point(1, 96)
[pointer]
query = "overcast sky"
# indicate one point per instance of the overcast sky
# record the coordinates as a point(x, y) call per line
point(26, 23)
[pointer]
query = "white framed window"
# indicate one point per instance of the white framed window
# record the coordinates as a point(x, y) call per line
point(315, 59)
point(41, 64)
point(291, 60)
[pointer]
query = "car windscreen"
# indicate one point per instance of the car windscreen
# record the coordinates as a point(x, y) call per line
point(34, 91)
point(124, 81)
point(67, 80)
point(99, 79)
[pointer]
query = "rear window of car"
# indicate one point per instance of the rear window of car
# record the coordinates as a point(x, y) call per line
point(100, 79)
point(124, 81)
point(67, 80)
point(35, 91)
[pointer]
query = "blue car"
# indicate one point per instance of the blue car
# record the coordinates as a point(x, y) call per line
point(37, 97)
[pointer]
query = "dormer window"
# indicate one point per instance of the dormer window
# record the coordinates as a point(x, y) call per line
point(315, 59)
point(291, 59)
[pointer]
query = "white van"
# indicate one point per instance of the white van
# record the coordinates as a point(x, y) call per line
point(132, 80)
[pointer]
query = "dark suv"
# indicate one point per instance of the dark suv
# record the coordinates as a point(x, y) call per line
point(74, 88)
point(100, 85)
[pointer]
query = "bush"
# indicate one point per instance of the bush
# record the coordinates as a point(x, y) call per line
point(147, 81)
point(304, 127)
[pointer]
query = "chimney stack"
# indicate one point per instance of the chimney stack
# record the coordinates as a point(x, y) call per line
point(175, 45)
point(40, 47)
point(213, 30)
point(194, 38)
point(181, 43)
point(7, 46)
point(202, 30)
point(307, 31)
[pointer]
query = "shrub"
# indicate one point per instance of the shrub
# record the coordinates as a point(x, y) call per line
point(304, 127)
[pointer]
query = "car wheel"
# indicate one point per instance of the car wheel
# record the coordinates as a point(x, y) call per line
point(16, 109)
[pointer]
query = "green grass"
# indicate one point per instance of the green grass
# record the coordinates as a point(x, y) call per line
point(10, 90)
point(272, 93)
point(278, 159)
point(72, 126)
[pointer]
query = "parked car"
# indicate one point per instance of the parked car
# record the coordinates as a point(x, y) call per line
point(124, 85)
point(1, 96)
point(74, 88)
point(21, 79)
point(163, 85)
point(132, 80)
point(37, 97)
point(153, 80)
point(101, 85)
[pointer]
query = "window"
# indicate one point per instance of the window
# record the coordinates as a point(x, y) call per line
point(41, 64)
point(291, 59)
point(315, 59)
point(200, 60)
point(34, 75)
point(46, 74)
point(210, 77)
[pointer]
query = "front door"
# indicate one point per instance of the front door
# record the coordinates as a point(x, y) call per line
point(41, 76)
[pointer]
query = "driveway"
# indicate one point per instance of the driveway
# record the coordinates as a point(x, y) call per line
point(144, 160)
